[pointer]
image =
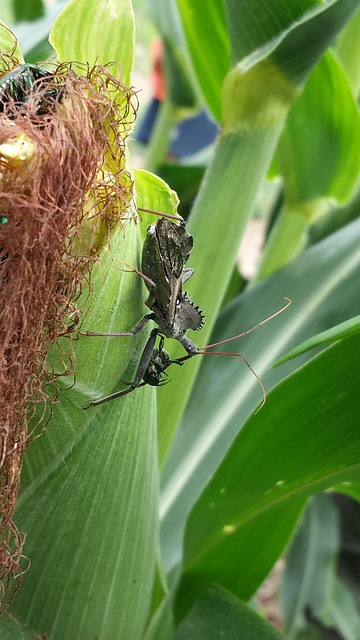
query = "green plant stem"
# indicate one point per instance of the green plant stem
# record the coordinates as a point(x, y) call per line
point(160, 137)
point(287, 240)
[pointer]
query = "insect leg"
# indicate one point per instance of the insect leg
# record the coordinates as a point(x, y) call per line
point(187, 273)
point(143, 364)
point(139, 327)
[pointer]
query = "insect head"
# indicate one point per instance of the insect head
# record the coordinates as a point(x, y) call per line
point(19, 84)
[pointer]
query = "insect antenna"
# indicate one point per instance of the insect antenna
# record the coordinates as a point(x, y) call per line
point(169, 216)
point(203, 351)
point(245, 333)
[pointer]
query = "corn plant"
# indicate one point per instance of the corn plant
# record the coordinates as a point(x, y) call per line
point(160, 514)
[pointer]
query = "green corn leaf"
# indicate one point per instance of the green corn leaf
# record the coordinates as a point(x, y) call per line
point(219, 613)
point(9, 44)
point(294, 34)
point(305, 441)
point(89, 487)
point(205, 30)
point(252, 27)
point(311, 584)
point(29, 10)
point(342, 610)
point(347, 50)
point(96, 33)
point(323, 123)
point(310, 564)
point(7, 12)
point(96, 545)
point(153, 195)
point(340, 331)
point(11, 630)
point(165, 15)
point(33, 36)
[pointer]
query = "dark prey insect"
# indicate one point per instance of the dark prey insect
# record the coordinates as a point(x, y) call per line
point(19, 84)
point(165, 252)
point(150, 371)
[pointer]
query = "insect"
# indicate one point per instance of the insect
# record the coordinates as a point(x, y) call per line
point(23, 81)
point(166, 250)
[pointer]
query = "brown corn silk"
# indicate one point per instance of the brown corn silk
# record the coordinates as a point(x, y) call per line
point(61, 193)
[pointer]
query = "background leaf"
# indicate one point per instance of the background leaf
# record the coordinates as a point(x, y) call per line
point(33, 36)
point(347, 50)
point(310, 564)
point(314, 446)
point(219, 613)
point(29, 10)
point(342, 330)
point(323, 123)
point(341, 612)
point(165, 16)
point(322, 286)
point(205, 29)
point(294, 32)
point(253, 26)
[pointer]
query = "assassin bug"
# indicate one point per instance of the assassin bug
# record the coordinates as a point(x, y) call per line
point(19, 84)
point(166, 250)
